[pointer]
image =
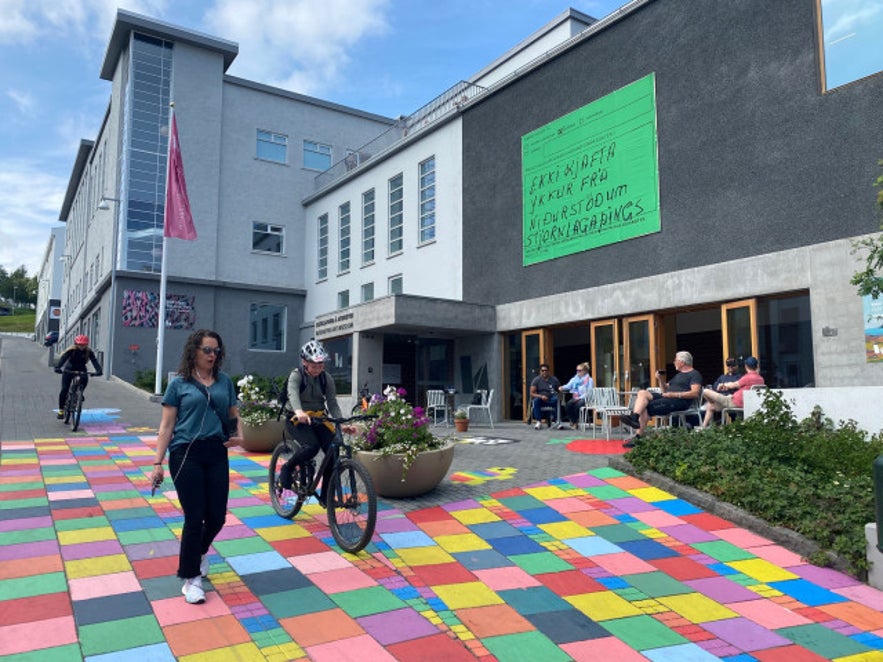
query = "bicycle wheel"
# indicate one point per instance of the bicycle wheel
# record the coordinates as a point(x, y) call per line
point(76, 408)
point(352, 506)
point(285, 502)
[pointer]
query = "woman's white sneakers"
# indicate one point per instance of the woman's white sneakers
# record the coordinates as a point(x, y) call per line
point(192, 591)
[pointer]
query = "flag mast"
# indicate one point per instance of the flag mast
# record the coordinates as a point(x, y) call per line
point(163, 272)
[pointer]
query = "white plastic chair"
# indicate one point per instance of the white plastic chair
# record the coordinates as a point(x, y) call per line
point(487, 397)
point(435, 404)
point(607, 405)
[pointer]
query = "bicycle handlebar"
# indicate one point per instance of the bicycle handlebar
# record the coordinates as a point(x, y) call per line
point(79, 372)
point(343, 421)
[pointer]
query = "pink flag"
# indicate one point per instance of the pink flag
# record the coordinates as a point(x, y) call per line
point(178, 221)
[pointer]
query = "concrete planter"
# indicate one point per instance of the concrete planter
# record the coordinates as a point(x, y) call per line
point(262, 438)
point(425, 474)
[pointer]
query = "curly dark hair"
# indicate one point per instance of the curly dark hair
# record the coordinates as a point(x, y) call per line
point(192, 346)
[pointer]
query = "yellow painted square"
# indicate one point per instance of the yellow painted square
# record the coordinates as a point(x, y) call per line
point(762, 571)
point(461, 542)
point(603, 605)
point(546, 492)
point(246, 651)
point(565, 530)
point(274, 533)
point(467, 594)
point(86, 535)
point(697, 608)
point(98, 565)
point(867, 656)
point(651, 494)
point(474, 516)
point(424, 555)
point(653, 533)
point(64, 480)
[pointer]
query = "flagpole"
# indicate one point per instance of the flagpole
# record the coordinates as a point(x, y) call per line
point(163, 272)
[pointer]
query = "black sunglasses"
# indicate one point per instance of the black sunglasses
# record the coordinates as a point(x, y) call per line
point(211, 350)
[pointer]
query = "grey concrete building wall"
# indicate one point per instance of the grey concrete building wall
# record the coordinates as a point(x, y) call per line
point(752, 157)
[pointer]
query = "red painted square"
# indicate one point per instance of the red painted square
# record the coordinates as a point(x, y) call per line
point(299, 546)
point(436, 647)
point(444, 573)
point(707, 521)
point(791, 653)
point(570, 582)
point(36, 608)
point(429, 515)
point(682, 569)
point(161, 566)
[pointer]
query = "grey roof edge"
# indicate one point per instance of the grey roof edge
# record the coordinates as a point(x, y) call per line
point(127, 21)
point(288, 94)
point(73, 183)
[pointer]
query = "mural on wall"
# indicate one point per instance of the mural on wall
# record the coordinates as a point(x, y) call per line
point(591, 177)
point(141, 309)
point(873, 315)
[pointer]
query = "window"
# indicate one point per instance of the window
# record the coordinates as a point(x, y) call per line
point(427, 200)
point(368, 227)
point(272, 147)
point(340, 363)
point(396, 215)
point(343, 241)
point(395, 284)
point(850, 51)
point(317, 156)
point(322, 263)
point(367, 292)
point(266, 328)
point(267, 238)
point(343, 299)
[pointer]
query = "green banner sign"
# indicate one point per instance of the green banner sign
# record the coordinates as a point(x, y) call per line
point(591, 177)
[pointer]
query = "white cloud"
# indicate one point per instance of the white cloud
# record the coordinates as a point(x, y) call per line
point(841, 18)
point(301, 45)
point(23, 101)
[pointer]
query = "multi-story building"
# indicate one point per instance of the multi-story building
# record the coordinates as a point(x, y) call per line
point(49, 284)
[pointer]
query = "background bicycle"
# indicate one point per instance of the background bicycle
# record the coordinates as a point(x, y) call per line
point(73, 406)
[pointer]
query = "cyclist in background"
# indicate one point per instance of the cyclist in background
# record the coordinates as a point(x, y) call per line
point(76, 358)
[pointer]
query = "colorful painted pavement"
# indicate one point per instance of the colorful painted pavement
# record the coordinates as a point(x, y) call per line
point(593, 566)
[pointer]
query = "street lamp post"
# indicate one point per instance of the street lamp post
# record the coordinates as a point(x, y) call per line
point(104, 204)
point(14, 288)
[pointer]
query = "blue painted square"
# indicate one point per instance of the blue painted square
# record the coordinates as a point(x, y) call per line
point(723, 569)
point(406, 593)
point(677, 507)
point(275, 581)
point(563, 627)
point(516, 545)
point(265, 522)
point(482, 559)
point(436, 604)
point(626, 518)
point(490, 530)
point(590, 546)
point(137, 524)
point(806, 592)
point(542, 515)
point(647, 549)
point(248, 564)
point(406, 539)
point(680, 653)
point(613, 583)
point(742, 657)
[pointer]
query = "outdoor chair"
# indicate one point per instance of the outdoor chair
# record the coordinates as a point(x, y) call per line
point(435, 405)
point(487, 398)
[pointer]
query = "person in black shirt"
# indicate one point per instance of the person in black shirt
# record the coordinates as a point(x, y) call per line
point(76, 358)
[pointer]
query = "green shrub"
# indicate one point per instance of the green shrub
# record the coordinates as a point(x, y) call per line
point(810, 476)
point(146, 380)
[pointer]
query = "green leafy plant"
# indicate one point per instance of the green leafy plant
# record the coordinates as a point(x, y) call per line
point(461, 414)
point(810, 476)
point(870, 279)
point(399, 429)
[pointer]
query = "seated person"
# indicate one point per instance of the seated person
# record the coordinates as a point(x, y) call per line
point(732, 374)
point(676, 395)
point(731, 393)
point(542, 392)
point(580, 388)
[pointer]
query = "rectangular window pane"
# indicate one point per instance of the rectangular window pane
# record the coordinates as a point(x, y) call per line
point(343, 262)
point(343, 299)
point(317, 156)
point(395, 284)
point(368, 227)
point(396, 214)
point(267, 238)
point(427, 200)
point(322, 246)
point(367, 292)
point(272, 146)
point(266, 327)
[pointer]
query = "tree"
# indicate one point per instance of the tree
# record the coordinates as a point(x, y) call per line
point(870, 279)
point(18, 285)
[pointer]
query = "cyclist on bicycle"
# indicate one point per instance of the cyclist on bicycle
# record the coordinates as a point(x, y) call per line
point(310, 393)
point(76, 358)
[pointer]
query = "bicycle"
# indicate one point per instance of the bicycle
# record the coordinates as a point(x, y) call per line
point(350, 499)
point(364, 400)
point(73, 405)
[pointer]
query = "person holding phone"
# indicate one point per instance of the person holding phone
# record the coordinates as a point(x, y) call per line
point(200, 421)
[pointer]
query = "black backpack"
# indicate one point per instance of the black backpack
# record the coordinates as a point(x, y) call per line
point(283, 392)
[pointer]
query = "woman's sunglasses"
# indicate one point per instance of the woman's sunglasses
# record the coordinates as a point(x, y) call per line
point(211, 350)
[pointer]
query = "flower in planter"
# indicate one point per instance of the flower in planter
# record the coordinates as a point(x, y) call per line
point(256, 405)
point(398, 429)
point(461, 415)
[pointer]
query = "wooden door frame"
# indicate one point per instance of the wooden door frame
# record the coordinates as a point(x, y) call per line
point(751, 305)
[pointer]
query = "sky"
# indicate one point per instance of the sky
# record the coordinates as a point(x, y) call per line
point(384, 56)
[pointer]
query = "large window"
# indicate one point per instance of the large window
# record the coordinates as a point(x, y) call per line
point(396, 214)
point(367, 292)
point(368, 227)
point(343, 238)
point(340, 363)
point(272, 146)
point(395, 285)
point(343, 299)
point(267, 238)
point(322, 247)
point(266, 327)
point(317, 156)
point(427, 200)
point(852, 48)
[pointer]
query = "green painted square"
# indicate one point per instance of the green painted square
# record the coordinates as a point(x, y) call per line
point(27, 535)
point(65, 470)
point(126, 633)
point(27, 587)
point(366, 601)
point(524, 646)
point(449, 618)
point(533, 600)
point(522, 502)
point(630, 594)
point(21, 487)
point(118, 495)
point(744, 580)
point(657, 584)
point(721, 550)
point(33, 502)
point(250, 511)
point(642, 632)
point(823, 641)
point(66, 653)
point(242, 546)
point(272, 637)
point(297, 602)
point(81, 523)
point(540, 562)
point(607, 492)
point(158, 534)
point(130, 513)
point(618, 533)
point(606, 472)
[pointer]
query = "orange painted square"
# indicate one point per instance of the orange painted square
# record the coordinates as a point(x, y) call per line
point(570, 582)
point(682, 569)
point(205, 635)
point(708, 522)
point(627, 483)
point(854, 613)
point(37, 565)
point(590, 518)
point(449, 527)
point(493, 620)
point(161, 566)
point(443, 573)
point(77, 513)
point(321, 627)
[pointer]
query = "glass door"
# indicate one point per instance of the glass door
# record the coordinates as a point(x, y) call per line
point(639, 351)
point(739, 322)
point(535, 349)
point(605, 353)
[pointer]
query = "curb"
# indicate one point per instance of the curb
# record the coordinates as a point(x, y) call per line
point(787, 538)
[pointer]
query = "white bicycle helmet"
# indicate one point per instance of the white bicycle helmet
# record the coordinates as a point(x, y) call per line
point(314, 351)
